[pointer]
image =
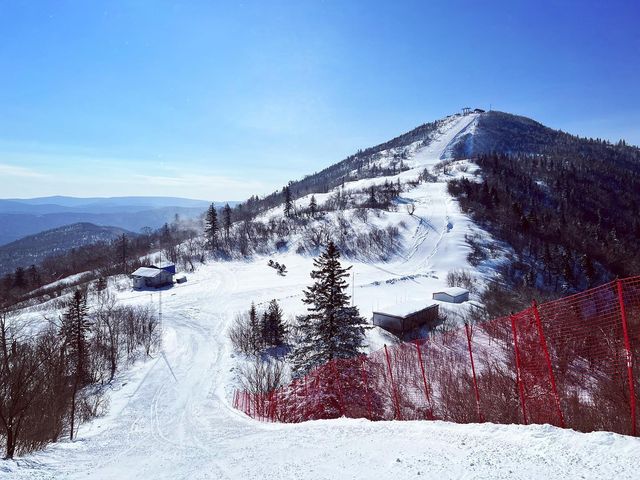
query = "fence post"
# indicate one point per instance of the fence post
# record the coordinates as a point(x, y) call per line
point(424, 380)
point(393, 385)
point(627, 346)
point(518, 372)
point(365, 382)
point(473, 371)
point(543, 344)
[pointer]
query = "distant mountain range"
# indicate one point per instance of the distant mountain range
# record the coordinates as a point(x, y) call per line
point(33, 249)
point(22, 217)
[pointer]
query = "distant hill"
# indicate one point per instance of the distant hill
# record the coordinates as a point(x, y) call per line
point(34, 248)
point(22, 217)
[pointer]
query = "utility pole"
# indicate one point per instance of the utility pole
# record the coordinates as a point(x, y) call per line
point(353, 286)
point(160, 315)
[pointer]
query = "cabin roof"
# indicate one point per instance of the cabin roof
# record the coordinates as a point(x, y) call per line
point(147, 272)
point(405, 309)
point(453, 291)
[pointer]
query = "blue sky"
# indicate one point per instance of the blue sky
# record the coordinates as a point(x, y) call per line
point(221, 100)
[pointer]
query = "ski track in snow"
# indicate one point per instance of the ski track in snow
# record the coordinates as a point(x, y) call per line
point(161, 427)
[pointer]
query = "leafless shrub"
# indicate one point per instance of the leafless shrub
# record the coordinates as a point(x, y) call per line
point(461, 278)
point(411, 208)
point(262, 376)
point(242, 335)
point(362, 214)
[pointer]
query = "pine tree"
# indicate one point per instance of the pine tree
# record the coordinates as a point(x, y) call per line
point(288, 203)
point(313, 206)
point(274, 330)
point(588, 269)
point(373, 202)
point(332, 329)
point(121, 247)
point(211, 227)
point(226, 220)
point(255, 327)
point(74, 332)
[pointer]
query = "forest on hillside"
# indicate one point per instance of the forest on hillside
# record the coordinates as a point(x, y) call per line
point(570, 215)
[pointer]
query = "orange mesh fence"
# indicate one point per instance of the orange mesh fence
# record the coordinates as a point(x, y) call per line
point(571, 363)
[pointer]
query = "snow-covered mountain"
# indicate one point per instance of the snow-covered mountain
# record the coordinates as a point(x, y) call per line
point(171, 416)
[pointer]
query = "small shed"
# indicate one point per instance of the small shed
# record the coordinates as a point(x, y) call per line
point(452, 295)
point(151, 277)
point(402, 318)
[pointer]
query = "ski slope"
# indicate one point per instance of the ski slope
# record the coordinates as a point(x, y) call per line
point(170, 417)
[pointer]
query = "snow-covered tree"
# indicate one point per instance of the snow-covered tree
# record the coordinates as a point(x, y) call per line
point(313, 206)
point(211, 227)
point(332, 329)
point(74, 332)
point(226, 220)
point(288, 202)
point(274, 329)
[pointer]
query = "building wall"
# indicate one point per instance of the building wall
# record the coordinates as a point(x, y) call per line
point(397, 325)
point(164, 278)
point(445, 297)
point(428, 316)
point(393, 324)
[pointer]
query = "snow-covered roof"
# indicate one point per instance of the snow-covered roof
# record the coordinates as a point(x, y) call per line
point(406, 308)
point(147, 272)
point(453, 291)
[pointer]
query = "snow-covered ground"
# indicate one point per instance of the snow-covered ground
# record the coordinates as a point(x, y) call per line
point(171, 418)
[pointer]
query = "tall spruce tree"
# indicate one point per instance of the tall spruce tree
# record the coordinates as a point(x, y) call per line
point(313, 206)
point(274, 330)
point(332, 329)
point(74, 332)
point(211, 227)
point(226, 220)
point(255, 330)
point(288, 202)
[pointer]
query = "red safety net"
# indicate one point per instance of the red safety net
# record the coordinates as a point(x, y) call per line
point(572, 363)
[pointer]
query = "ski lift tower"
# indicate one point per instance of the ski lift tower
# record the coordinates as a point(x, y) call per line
point(466, 111)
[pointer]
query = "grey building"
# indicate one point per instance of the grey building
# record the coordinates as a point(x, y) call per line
point(403, 318)
point(151, 277)
point(452, 295)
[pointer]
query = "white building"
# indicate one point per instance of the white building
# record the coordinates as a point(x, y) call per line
point(452, 295)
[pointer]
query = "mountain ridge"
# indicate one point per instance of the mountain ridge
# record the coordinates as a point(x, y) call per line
point(32, 249)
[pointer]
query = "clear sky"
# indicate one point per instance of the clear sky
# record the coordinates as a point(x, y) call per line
point(220, 100)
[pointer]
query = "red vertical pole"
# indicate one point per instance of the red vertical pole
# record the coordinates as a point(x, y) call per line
point(339, 387)
point(627, 346)
point(518, 372)
point(305, 397)
point(393, 385)
point(365, 382)
point(543, 344)
point(424, 381)
point(473, 371)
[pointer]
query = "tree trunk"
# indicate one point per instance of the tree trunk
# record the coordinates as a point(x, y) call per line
point(11, 444)
point(73, 407)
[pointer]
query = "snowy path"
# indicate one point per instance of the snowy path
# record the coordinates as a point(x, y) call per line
point(183, 427)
